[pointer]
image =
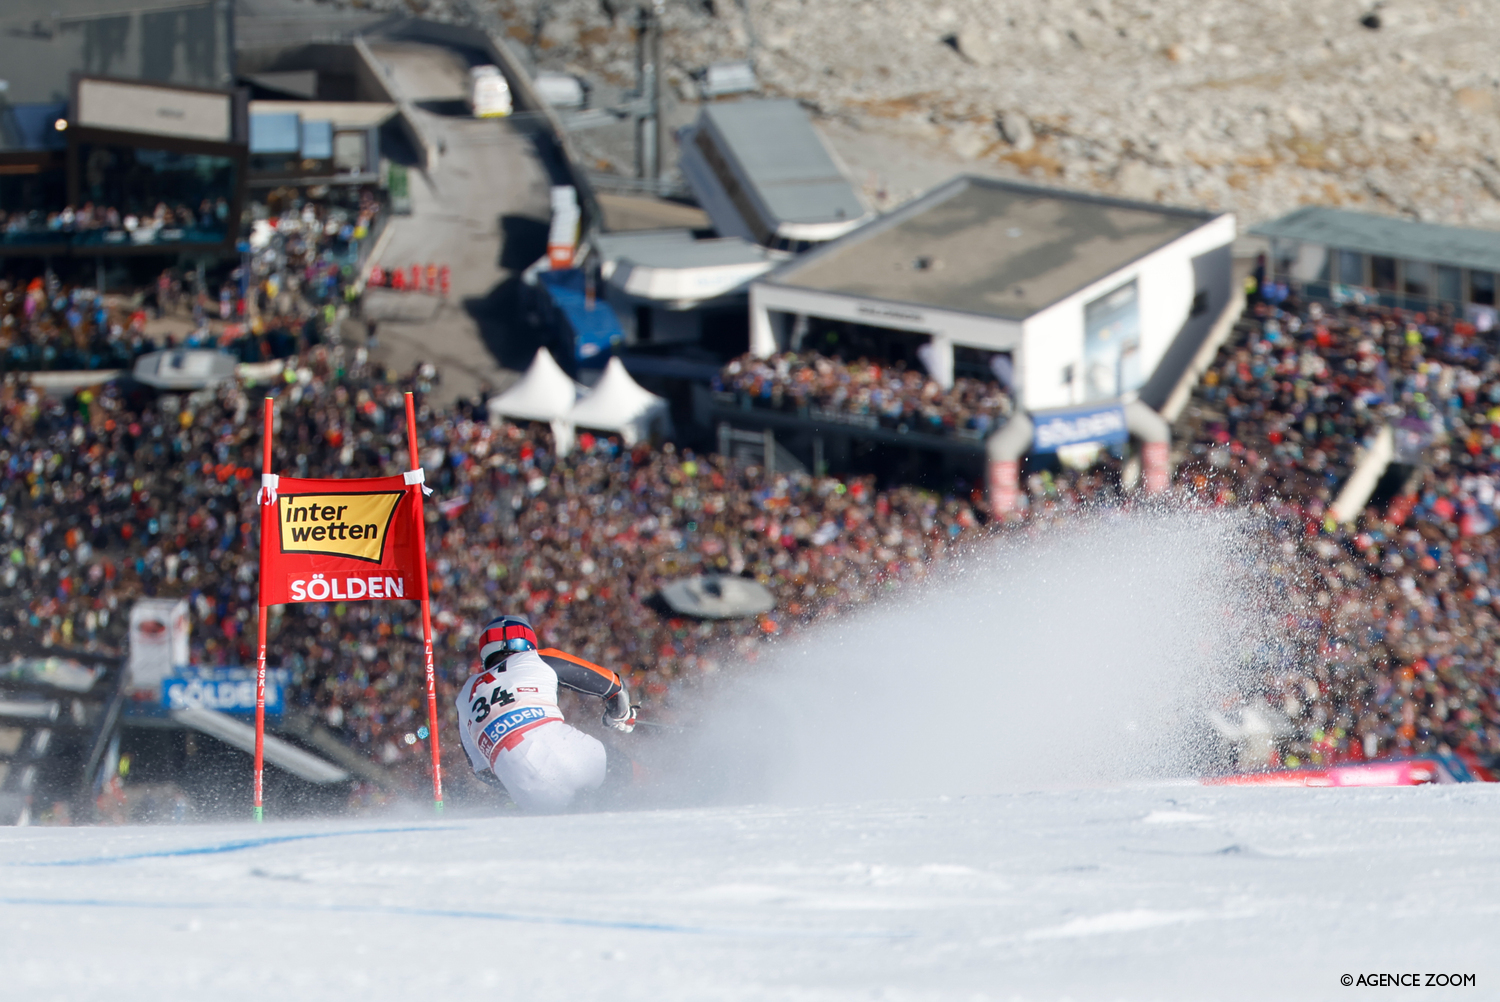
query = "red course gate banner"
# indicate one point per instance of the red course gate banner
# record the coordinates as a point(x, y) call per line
point(341, 541)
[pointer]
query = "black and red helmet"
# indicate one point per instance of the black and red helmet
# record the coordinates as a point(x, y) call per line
point(504, 636)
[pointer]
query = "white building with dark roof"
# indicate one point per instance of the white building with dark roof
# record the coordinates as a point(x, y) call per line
point(1084, 300)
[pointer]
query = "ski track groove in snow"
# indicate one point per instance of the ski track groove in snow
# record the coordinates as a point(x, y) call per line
point(686, 930)
point(236, 846)
point(1137, 892)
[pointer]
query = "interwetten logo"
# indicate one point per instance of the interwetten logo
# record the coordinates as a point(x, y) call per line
point(338, 525)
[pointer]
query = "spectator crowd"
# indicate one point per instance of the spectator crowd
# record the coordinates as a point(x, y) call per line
point(45, 326)
point(1398, 611)
point(891, 395)
point(108, 497)
point(1393, 616)
point(300, 267)
point(113, 494)
point(107, 225)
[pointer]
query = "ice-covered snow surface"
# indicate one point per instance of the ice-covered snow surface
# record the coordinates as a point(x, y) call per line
point(1143, 892)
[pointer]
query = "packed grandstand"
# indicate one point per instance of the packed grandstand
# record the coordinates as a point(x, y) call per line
point(115, 493)
point(891, 394)
point(297, 269)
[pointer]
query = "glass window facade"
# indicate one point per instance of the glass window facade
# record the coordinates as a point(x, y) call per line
point(33, 204)
point(1395, 281)
point(1417, 278)
point(317, 140)
point(1450, 284)
point(1482, 288)
point(278, 133)
point(1383, 273)
point(1351, 268)
point(143, 197)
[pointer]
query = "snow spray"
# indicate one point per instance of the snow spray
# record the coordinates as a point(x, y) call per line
point(1081, 653)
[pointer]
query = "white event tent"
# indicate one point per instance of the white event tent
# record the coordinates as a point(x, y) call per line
point(544, 393)
point(618, 404)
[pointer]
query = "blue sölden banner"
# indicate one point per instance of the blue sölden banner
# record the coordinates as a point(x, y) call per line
point(1055, 429)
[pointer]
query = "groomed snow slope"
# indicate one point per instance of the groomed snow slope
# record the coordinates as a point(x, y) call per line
point(1146, 892)
point(1046, 685)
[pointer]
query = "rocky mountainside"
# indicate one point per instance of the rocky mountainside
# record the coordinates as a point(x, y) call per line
point(1258, 106)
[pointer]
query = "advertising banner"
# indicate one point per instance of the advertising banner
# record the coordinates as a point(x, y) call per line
point(1396, 772)
point(126, 106)
point(1072, 427)
point(159, 635)
point(229, 690)
point(341, 541)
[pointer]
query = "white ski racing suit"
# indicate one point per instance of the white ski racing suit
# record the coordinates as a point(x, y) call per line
point(510, 724)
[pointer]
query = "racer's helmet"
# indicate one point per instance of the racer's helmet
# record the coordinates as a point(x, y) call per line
point(504, 636)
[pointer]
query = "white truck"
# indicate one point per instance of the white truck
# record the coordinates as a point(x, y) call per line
point(489, 94)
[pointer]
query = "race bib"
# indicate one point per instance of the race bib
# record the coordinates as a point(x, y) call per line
point(506, 729)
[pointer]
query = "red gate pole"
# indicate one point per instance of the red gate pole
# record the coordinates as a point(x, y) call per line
point(432, 713)
point(260, 658)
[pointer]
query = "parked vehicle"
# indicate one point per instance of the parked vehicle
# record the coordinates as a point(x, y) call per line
point(562, 90)
point(489, 93)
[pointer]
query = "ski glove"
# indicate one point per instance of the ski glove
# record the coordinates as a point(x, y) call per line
point(618, 713)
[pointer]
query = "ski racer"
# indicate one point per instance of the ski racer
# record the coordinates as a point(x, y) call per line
point(510, 724)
